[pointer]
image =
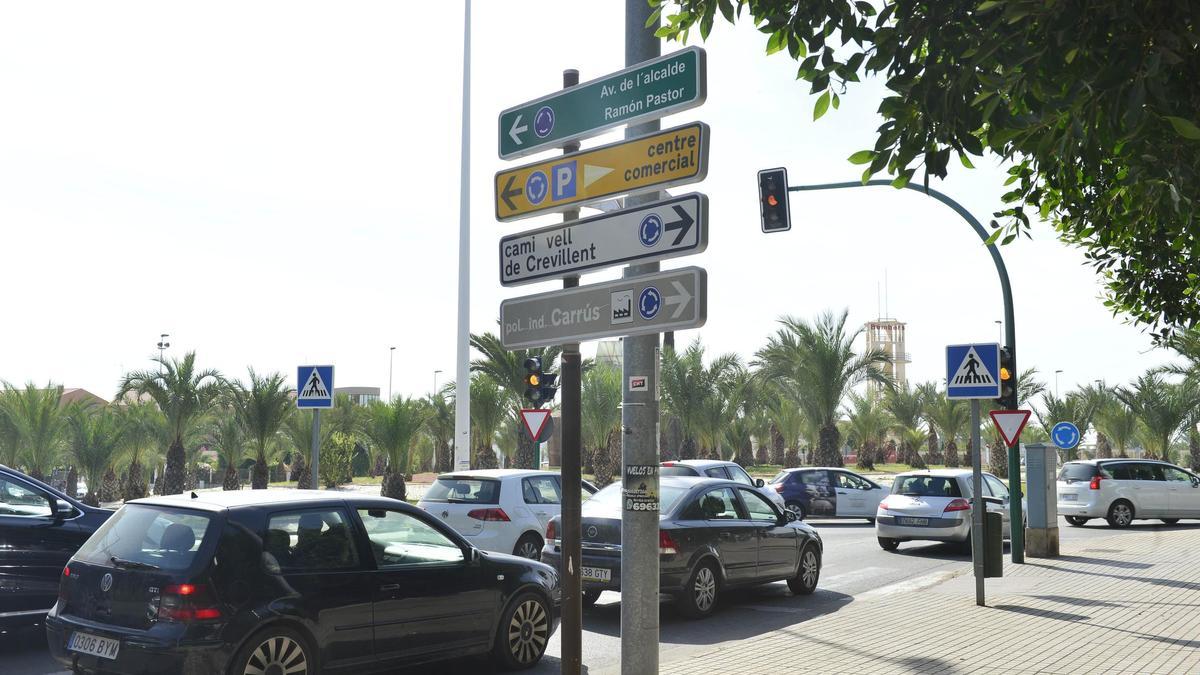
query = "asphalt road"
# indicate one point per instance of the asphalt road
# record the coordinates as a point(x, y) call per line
point(854, 567)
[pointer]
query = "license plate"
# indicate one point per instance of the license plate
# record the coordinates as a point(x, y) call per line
point(905, 520)
point(596, 574)
point(95, 645)
point(1068, 497)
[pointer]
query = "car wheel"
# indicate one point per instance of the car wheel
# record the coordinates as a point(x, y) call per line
point(529, 546)
point(523, 633)
point(590, 598)
point(699, 597)
point(805, 581)
point(1170, 521)
point(796, 508)
point(889, 544)
point(1120, 514)
point(1077, 521)
point(275, 650)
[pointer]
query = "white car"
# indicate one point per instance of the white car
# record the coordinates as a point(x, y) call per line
point(715, 468)
point(828, 492)
point(502, 510)
point(935, 506)
point(1124, 490)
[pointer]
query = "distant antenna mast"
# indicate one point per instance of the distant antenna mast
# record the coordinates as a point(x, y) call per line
point(878, 301)
point(885, 293)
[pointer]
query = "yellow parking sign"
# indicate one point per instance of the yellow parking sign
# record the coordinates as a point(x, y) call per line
point(656, 161)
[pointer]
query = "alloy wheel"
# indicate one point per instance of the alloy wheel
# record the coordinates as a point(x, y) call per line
point(528, 632)
point(528, 549)
point(277, 655)
point(1122, 515)
point(810, 569)
point(796, 509)
point(705, 588)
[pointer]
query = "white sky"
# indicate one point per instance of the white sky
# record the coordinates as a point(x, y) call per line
point(275, 183)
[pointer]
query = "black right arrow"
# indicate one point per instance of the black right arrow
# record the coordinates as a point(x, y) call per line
point(509, 192)
point(683, 224)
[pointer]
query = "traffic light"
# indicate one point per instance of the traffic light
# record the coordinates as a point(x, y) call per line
point(773, 200)
point(539, 386)
point(1008, 380)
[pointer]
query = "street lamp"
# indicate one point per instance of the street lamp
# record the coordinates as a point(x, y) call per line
point(435, 379)
point(1056, 374)
point(1000, 329)
point(391, 361)
point(162, 345)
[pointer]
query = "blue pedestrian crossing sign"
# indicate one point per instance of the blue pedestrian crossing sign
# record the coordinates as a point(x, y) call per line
point(1065, 435)
point(314, 387)
point(973, 371)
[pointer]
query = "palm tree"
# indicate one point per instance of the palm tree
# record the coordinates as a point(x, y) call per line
point(299, 434)
point(184, 395)
point(10, 441)
point(788, 424)
point(1028, 386)
point(1119, 423)
point(1162, 407)
point(144, 428)
point(489, 408)
point(39, 426)
point(393, 428)
point(94, 438)
point(440, 426)
point(262, 408)
point(1075, 408)
point(867, 427)
point(816, 362)
point(600, 423)
point(949, 417)
point(687, 391)
point(227, 436)
point(507, 369)
point(1187, 344)
point(907, 406)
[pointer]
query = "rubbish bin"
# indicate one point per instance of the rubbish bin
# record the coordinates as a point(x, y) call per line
point(993, 545)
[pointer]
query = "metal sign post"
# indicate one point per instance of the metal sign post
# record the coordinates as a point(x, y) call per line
point(978, 506)
point(314, 389)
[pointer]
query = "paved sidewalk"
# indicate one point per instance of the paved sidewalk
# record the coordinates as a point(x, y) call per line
point(1129, 603)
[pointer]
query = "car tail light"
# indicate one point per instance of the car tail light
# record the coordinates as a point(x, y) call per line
point(497, 515)
point(779, 488)
point(551, 535)
point(1095, 484)
point(883, 504)
point(184, 603)
point(666, 545)
point(668, 463)
point(957, 505)
point(67, 571)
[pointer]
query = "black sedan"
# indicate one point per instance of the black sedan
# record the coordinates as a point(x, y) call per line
point(40, 529)
point(295, 582)
point(713, 535)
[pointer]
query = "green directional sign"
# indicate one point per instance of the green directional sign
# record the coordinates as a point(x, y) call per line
point(646, 91)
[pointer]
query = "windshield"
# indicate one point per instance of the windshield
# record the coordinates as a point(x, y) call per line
point(926, 486)
point(141, 534)
point(609, 498)
point(464, 490)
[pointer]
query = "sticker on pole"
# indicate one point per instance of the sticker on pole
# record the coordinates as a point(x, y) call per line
point(535, 421)
point(1010, 423)
point(972, 371)
point(640, 488)
point(314, 387)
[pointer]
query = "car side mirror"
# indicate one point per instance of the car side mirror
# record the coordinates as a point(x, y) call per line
point(789, 516)
point(758, 482)
point(1195, 481)
point(993, 500)
point(471, 555)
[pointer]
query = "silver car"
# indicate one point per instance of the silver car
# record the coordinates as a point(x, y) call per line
point(935, 506)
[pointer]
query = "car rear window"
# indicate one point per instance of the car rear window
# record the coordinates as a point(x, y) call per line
point(678, 470)
point(153, 535)
point(926, 486)
point(1076, 471)
point(609, 498)
point(462, 490)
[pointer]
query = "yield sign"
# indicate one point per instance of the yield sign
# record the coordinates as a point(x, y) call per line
point(534, 420)
point(1010, 423)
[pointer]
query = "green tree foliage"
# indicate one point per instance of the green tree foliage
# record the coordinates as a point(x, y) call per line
point(184, 395)
point(816, 362)
point(688, 392)
point(1162, 407)
point(336, 460)
point(1075, 407)
point(600, 404)
point(907, 406)
point(1093, 105)
point(440, 426)
point(37, 426)
point(94, 439)
point(489, 408)
point(1119, 424)
point(298, 432)
point(507, 369)
point(868, 426)
point(228, 438)
point(144, 439)
point(951, 419)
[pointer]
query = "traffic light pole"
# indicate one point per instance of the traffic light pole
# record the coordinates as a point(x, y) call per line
point(639, 426)
point(1010, 336)
point(570, 376)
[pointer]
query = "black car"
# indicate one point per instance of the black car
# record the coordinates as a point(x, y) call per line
point(288, 581)
point(713, 535)
point(40, 529)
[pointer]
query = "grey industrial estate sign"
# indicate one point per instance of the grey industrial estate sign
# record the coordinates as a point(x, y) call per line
point(667, 229)
point(649, 90)
point(652, 303)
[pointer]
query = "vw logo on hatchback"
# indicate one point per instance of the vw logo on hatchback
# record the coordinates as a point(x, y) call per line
point(106, 582)
point(592, 531)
